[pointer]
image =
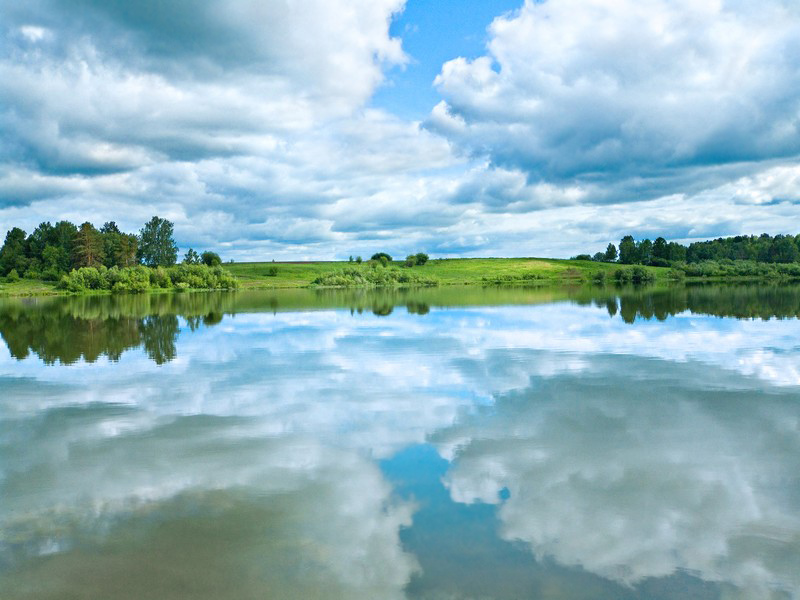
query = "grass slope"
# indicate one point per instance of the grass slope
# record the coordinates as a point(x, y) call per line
point(451, 271)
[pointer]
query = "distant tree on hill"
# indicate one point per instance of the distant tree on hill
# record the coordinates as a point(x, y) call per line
point(611, 253)
point(211, 259)
point(377, 256)
point(157, 248)
point(191, 257)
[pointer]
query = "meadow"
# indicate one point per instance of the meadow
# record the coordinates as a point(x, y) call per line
point(451, 271)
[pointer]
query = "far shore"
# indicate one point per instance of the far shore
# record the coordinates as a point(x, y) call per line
point(446, 272)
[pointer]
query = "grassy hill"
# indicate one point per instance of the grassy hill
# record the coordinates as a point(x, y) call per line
point(451, 271)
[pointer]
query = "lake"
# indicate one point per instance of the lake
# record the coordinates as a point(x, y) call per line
point(441, 443)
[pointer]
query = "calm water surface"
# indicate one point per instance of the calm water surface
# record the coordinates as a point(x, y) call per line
point(442, 444)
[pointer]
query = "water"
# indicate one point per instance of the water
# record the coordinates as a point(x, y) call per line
point(443, 444)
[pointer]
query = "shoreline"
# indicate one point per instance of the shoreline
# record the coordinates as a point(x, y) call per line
point(486, 272)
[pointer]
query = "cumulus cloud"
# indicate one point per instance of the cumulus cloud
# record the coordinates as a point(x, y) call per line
point(629, 92)
point(637, 478)
point(290, 410)
point(249, 124)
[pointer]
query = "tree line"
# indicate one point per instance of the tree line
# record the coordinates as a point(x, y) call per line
point(52, 251)
point(661, 253)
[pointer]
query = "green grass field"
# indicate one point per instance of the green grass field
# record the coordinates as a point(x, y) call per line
point(29, 287)
point(454, 271)
point(451, 271)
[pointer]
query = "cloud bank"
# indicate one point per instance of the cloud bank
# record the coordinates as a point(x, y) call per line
point(251, 125)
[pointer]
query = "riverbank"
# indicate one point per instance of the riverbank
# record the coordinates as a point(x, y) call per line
point(527, 272)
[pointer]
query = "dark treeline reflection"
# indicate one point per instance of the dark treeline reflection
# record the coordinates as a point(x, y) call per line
point(738, 301)
point(68, 329)
point(88, 327)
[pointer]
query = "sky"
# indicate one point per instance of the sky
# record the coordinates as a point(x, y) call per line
point(320, 129)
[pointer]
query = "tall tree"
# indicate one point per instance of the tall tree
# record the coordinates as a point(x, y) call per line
point(64, 234)
point(628, 254)
point(157, 248)
point(611, 253)
point(644, 249)
point(12, 254)
point(191, 257)
point(43, 235)
point(211, 259)
point(661, 249)
point(88, 248)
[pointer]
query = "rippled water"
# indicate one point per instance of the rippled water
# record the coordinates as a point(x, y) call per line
point(453, 443)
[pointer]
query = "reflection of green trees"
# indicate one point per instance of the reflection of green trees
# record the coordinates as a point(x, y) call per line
point(739, 301)
point(69, 329)
point(159, 334)
point(88, 327)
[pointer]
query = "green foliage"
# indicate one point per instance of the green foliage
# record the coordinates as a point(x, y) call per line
point(641, 275)
point(381, 255)
point(211, 259)
point(88, 249)
point(581, 257)
point(141, 279)
point(511, 279)
point(157, 247)
point(421, 258)
point(272, 272)
point(611, 253)
point(622, 275)
point(740, 268)
point(359, 259)
point(13, 255)
point(191, 257)
point(359, 277)
point(12, 276)
point(627, 251)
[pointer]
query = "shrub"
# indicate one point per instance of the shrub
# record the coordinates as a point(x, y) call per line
point(355, 277)
point(140, 278)
point(622, 275)
point(641, 275)
point(12, 276)
point(379, 255)
point(210, 259)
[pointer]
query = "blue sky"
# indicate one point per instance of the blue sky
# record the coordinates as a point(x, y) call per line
point(433, 32)
point(268, 129)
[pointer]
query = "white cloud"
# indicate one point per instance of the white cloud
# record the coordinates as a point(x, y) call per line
point(633, 479)
point(605, 91)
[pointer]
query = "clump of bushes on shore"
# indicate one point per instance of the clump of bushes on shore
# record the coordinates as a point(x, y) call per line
point(373, 277)
point(741, 268)
point(634, 275)
point(141, 279)
point(508, 279)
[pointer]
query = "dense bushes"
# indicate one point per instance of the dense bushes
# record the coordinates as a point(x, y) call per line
point(741, 268)
point(510, 279)
point(141, 279)
point(372, 277)
point(634, 275)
